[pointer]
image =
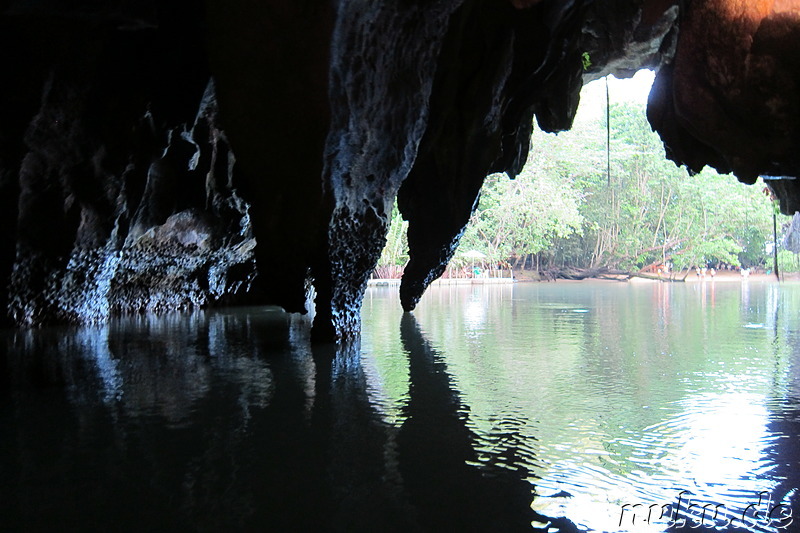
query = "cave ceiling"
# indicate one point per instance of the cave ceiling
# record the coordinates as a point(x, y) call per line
point(159, 156)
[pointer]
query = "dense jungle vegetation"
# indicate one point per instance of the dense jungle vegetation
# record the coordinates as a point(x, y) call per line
point(566, 211)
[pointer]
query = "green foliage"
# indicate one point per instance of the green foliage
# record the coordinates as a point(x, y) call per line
point(523, 216)
point(753, 241)
point(651, 212)
point(395, 253)
point(787, 262)
point(587, 62)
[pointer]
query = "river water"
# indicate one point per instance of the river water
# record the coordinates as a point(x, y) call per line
point(526, 407)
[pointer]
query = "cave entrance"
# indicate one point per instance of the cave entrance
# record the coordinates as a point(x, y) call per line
point(599, 201)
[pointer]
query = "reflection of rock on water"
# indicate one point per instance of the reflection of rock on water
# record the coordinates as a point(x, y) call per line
point(148, 366)
point(161, 376)
point(233, 421)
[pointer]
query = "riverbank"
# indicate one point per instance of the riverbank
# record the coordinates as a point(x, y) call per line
point(395, 282)
point(724, 276)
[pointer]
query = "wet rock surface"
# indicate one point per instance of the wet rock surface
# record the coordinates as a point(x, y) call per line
point(123, 178)
point(729, 97)
point(146, 147)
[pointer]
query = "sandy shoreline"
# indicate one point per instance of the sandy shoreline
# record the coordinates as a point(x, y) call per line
point(726, 276)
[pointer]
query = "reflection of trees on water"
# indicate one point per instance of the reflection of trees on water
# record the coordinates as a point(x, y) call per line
point(786, 456)
point(624, 391)
point(785, 416)
point(233, 421)
point(449, 493)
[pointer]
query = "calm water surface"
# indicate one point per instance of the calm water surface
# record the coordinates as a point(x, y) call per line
point(550, 407)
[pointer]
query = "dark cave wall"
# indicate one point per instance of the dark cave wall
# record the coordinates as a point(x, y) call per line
point(499, 68)
point(481, 119)
point(730, 97)
point(123, 193)
point(146, 146)
point(380, 98)
point(270, 61)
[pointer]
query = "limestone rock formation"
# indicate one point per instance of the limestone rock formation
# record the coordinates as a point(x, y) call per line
point(159, 155)
point(120, 173)
point(729, 97)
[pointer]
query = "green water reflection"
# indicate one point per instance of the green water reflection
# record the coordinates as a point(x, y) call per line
point(485, 410)
point(609, 393)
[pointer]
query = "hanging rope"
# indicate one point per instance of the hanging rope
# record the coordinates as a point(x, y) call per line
point(608, 136)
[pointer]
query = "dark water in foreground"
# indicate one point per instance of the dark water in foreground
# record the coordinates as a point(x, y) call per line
point(488, 409)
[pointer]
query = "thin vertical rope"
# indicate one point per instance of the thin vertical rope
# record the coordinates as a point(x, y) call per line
point(608, 136)
point(775, 242)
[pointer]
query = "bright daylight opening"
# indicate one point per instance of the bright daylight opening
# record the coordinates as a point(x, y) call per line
point(677, 380)
point(586, 207)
